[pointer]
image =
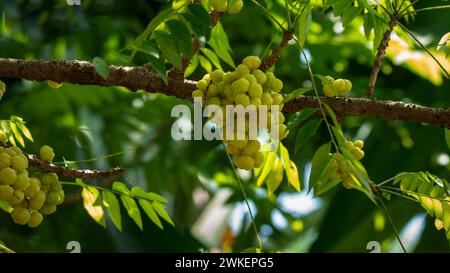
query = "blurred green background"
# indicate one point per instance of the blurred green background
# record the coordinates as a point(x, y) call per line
point(83, 122)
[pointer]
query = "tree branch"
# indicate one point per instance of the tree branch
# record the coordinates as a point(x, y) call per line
point(69, 172)
point(273, 58)
point(144, 78)
point(381, 51)
point(389, 110)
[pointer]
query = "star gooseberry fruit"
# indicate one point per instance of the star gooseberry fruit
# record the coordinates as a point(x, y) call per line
point(47, 153)
point(234, 6)
point(219, 5)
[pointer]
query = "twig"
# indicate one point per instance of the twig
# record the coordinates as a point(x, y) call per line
point(381, 51)
point(273, 58)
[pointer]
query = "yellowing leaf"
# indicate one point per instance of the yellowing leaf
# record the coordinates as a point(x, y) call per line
point(93, 205)
point(54, 85)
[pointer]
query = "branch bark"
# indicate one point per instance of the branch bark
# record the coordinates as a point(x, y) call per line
point(33, 161)
point(273, 58)
point(144, 78)
point(381, 51)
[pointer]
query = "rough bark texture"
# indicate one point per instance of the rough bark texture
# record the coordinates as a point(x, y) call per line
point(390, 110)
point(144, 78)
point(273, 58)
point(381, 51)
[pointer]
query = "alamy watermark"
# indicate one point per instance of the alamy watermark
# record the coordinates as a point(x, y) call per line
point(73, 2)
point(230, 122)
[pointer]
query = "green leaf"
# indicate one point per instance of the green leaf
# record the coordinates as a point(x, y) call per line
point(154, 23)
point(159, 66)
point(92, 203)
point(212, 57)
point(161, 210)
point(205, 63)
point(17, 134)
point(147, 48)
point(192, 66)
point(319, 161)
point(169, 48)
point(295, 93)
point(101, 67)
point(2, 88)
point(199, 20)
point(306, 132)
point(272, 181)
point(148, 208)
point(219, 42)
point(299, 117)
point(290, 168)
point(140, 193)
point(112, 204)
point(129, 203)
point(182, 36)
point(266, 168)
point(304, 23)
point(447, 137)
point(350, 15)
point(25, 131)
point(342, 6)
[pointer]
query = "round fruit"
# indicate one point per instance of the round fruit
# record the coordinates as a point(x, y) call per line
point(255, 90)
point(241, 71)
point(34, 188)
point(19, 163)
point(216, 75)
point(16, 198)
point(349, 145)
point(339, 86)
point(255, 101)
point(35, 219)
point(242, 99)
point(198, 94)
point(5, 160)
point(234, 6)
point(47, 153)
point(277, 99)
point(266, 99)
point(244, 162)
point(240, 86)
point(358, 153)
point(252, 147)
point(48, 209)
point(239, 144)
point(20, 215)
point(6, 192)
point(53, 198)
point(228, 78)
point(258, 158)
point(219, 5)
point(359, 143)
point(3, 137)
point(252, 62)
point(214, 101)
point(8, 176)
point(329, 91)
point(202, 85)
point(348, 85)
point(37, 201)
point(260, 76)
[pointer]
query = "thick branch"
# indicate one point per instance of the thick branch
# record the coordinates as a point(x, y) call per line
point(381, 51)
point(390, 110)
point(69, 172)
point(144, 78)
point(273, 58)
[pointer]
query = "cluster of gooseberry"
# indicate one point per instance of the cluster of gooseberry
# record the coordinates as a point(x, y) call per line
point(338, 161)
point(230, 6)
point(333, 88)
point(30, 197)
point(246, 85)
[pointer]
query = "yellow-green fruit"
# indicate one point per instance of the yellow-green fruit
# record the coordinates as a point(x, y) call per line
point(6, 192)
point(53, 198)
point(244, 162)
point(234, 6)
point(228, 78)
point(242, 99)
point(54, 85)
point(3, 137)
point(47, 153)
point(277, 99)
point(348, 85)
point(283, 131)
point(349, 145)
point(260, 76)
point(48, 209)
point(240, 86)
point(359, 143)
point(358, 153)
point(34, 188)
point(281, 118)
point(56, 186)
point(232, 150)
point(258, 159)
point(255, 90)
point(252, 62)
point(198, 94)
point(22, 182)
point(266, 99)
point(5, 160)
point(329, 91)
point(213, 90)
point(20, 215)
point(207, 79)
point(250, 78)
point(347, 182)
point(11, 151)
point(241, 71)
point(339, 86)
point(16, 198)
point(216, 75)
point(7, 176)
point(219, 5)
point(327, 80)
point(239, 144)
point(23, 204)
point(202, 85)
point(62, 195)
point(276, 85)
point(35, 219)
point(255, 101)
point(49, 178)
point(252, 147)
point(19, 163)
point(214, 101)
point(37, 201)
